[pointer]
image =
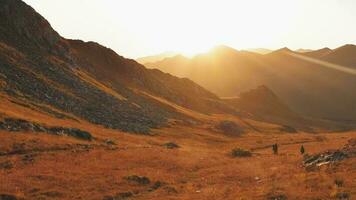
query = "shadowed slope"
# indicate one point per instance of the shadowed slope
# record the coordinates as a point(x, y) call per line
point(87, 80)
point(345, 55)
point(309, 88)
point(318, 53)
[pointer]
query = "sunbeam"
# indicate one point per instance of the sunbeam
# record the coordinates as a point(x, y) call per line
point(325, 64)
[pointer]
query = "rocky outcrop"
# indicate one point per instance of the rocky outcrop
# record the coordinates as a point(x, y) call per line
point(17, 125)
point(23, 28)
point(331, 156)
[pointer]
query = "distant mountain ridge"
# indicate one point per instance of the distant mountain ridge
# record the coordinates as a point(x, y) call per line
point(155, 58)
point(85, 81)
point(298, 82)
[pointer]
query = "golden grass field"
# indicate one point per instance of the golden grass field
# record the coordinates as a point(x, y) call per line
point(60, 167)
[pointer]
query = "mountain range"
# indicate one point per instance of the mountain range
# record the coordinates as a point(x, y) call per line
point(85, 80)
point(312, 83)
point(79, 121)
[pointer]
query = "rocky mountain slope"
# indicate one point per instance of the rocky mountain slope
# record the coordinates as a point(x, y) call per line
point(84, 80)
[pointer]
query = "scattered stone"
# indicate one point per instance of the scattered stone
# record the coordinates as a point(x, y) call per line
point(155, 186)
point(170, 189)
point(339, 182)
point(74, 132)
point(110, 142)
point(277, 197)
point(6, 165)
point(19, 148)
point(238, 152)
point(28, 158)
point(16, 125)
point(171, 145)
point(324, 158)
point(120, 196)
point(34, 190)
point(52, 194)
point(8, 197)
point(342, 195)
point(331, 156)
point(142, 180)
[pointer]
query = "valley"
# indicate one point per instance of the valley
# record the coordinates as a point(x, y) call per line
point(79, 121)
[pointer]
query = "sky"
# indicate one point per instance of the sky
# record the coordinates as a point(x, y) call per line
point(136, 28)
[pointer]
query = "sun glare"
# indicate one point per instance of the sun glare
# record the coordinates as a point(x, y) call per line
point(137, 28)
point(192, 27)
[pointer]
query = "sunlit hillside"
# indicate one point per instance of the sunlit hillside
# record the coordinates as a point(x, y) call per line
point(80, 118)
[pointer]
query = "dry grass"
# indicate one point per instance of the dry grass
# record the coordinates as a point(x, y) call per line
point(200, 169)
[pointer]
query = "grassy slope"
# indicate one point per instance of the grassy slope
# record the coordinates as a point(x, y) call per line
point(200, 169)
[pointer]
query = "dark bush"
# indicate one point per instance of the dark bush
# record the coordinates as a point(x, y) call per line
point(8, 197)
point(339, 182)
point(120, 196)
point(142, 180)
point(171, 145)
point(238, 152)
point(16, 125)
point(342, 195)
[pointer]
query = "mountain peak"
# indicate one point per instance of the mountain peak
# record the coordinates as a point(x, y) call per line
point(23, 27)
point(318, 53)
point(283, 50)
point(347, 47)
point(304, 50)
point(222, 48)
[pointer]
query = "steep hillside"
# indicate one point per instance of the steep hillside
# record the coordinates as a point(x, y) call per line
point(345, 55)
point(318, 53)
point(86, 80)
point(307, 86)
point(262, 104)
point(117, 71)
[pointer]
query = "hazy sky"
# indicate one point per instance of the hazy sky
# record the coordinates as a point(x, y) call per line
point(135, 28)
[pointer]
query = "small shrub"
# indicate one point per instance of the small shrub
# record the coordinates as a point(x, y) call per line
point(238, 152)
point(339, 182)
point(120, 196)
point(6, 165)
point(342, 195)
point(8, 197)
point(142, 180)
point(110, 142)
point(171, 145)
point(155, 186)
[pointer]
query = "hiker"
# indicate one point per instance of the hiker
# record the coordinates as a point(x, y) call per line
point(275, 148)
point(302, 150)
